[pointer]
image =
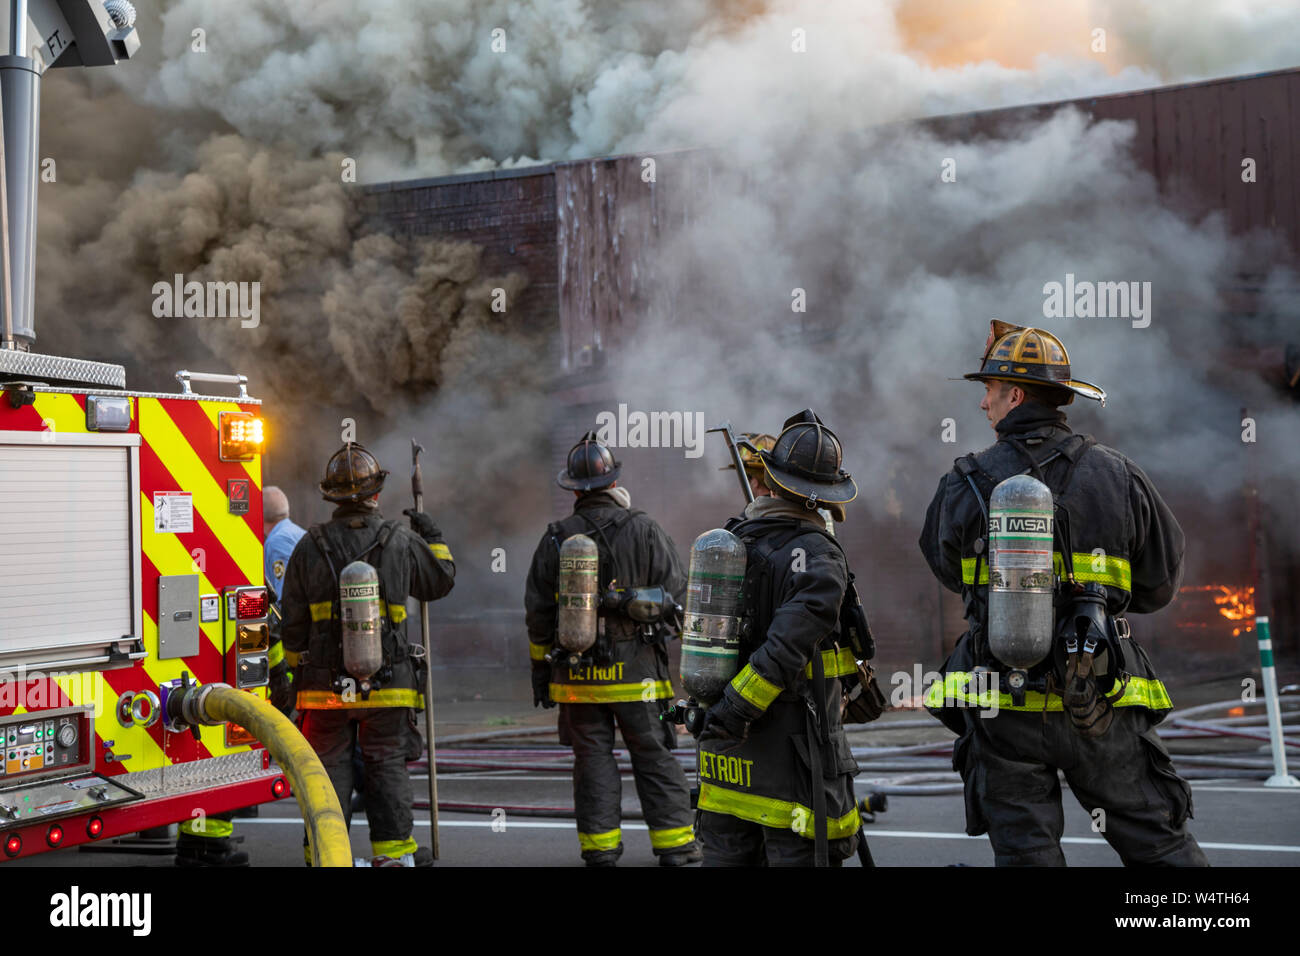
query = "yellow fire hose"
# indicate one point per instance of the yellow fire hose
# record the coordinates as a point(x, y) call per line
point(326, 831)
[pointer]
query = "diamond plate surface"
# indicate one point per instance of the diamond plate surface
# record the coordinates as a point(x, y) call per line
point(43, 368)
point(196, 774)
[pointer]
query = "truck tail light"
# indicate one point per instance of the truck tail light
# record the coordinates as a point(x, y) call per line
point(241, 436)
point(251, 604)
point(13, 845)
point(55, 835)
point(94, 828)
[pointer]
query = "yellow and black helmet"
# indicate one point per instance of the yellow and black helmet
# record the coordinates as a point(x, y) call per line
point(753, 464)
point(804, 464)
point(1016, 353)
point(352, 474)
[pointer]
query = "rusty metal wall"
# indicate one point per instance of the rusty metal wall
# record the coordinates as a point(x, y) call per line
point(1193, 138)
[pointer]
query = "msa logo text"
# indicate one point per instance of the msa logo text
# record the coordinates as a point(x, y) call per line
point(1019, 524)
point(77, 909)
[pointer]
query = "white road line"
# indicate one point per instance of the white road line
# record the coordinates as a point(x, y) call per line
point(871, 832)
point(934, 835)
point(510, 823)
point(1260, 789)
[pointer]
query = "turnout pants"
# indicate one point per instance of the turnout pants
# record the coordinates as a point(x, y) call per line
point(383, 736)
point(597, 787)
point(1124, 779)
point(730, 841)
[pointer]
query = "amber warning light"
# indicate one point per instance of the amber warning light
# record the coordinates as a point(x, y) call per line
point(241, 436)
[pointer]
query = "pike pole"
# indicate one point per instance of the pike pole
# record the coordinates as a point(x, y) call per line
point(417, 490)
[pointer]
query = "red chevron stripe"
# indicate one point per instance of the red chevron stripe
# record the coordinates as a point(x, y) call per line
point(23, 419)
point(203, 437)
point(220, 567)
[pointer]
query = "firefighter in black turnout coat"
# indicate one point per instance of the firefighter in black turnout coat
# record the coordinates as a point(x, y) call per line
point(624, 678)
point(340, 714)
point(776, 772)
point(1123, 546)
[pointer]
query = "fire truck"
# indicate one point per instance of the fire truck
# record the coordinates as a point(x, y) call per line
point(131, 525)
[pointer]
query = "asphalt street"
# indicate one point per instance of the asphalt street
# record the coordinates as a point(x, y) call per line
point(1237, 823)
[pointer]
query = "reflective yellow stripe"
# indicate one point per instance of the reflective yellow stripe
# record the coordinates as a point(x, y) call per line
point(387, 697)
point(779, 814)
point(321, 611)
point(667, 839)
point(600, 841)
point(954, 691)
point(836, 663)
point(440, 551)
point(393, 848)
point(291, 657)
point(1115, 572)
point(538, 652)
point(211, 829)
point(275, 655)
point(755, 688)
point(610, 693)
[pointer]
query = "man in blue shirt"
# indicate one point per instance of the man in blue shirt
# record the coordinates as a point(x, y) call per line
point(281, 536)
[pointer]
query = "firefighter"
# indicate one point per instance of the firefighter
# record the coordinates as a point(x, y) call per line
point(776, 772)
point(624, 680)
point(1120, 536)
point(341, 708)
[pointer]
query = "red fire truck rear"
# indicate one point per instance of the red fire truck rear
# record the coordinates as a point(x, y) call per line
point(131, 524)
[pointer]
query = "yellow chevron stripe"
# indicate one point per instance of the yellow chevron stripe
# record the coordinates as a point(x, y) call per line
point(213, 410)
point(158, 429)
point(170, 557)
point(61, 411)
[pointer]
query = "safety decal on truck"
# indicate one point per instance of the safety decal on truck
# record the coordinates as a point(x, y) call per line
point(173, 512)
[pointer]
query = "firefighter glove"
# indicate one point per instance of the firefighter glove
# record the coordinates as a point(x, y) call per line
point(423, 525)
point(723, 721)
point(542, 684)
point(280, 686)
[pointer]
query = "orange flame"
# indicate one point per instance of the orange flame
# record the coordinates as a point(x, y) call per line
point(1236, 604)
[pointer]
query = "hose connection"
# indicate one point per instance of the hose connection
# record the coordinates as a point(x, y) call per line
point(183, 704)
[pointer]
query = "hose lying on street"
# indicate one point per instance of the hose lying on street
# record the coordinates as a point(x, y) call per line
point(326, 831)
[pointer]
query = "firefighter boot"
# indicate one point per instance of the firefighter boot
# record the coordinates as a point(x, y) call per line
point(683, 857)
point(192, 850)
point(422, 857)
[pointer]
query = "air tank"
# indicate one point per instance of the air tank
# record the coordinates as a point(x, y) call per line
point(362, 617)
point(577, 596)
point(711, 629)
point(1021, 617)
